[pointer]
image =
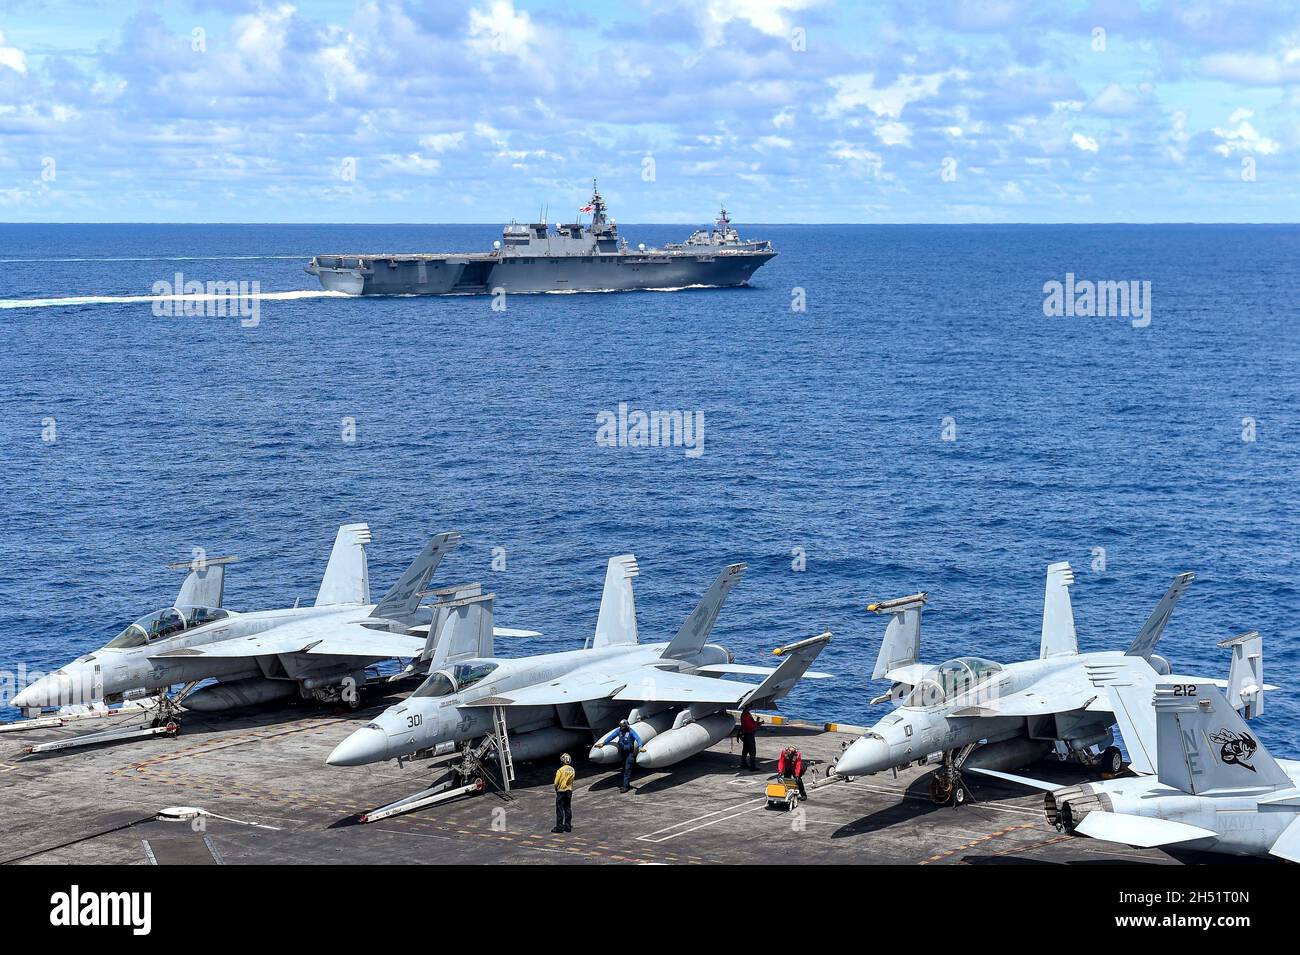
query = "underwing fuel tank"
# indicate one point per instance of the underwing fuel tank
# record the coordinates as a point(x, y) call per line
point(1008, 754)
point(539, 744)
point(224, 696)
point(675, 745)
point(647, 729)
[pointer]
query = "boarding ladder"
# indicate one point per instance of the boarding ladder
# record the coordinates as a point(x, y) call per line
point(501, 737)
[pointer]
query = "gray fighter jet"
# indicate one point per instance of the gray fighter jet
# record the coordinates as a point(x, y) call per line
point(975, 712)
point(320, 652)
point(1215, 788)
point(671, 692)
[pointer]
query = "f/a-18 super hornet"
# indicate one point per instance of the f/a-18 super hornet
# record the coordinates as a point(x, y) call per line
point(1205, 782)
point(972, 711)
point(320, 652)
point(540, 705)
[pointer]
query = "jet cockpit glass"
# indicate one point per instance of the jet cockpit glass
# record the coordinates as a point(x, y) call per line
point(151, 627)
point(950, 680)
point(198, 616)
point(467, 674)
point(437, 683)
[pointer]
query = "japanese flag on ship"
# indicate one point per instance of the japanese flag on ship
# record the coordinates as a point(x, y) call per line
point(588, 208)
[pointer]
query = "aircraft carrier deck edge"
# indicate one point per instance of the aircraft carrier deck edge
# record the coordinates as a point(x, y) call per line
point(267, 766)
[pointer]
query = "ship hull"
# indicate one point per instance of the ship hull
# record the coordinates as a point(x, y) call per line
point(485, 274)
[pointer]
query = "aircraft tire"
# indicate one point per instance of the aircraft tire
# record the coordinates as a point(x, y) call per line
point(1111, 761)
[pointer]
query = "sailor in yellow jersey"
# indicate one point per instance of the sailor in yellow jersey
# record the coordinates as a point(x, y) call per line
point(564, 795)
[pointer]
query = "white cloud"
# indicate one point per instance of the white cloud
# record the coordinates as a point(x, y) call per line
point(12, 57)
point(858, 90)
point(500, 28)
point(770, 17)
point(894, 133)
point(441, 142)
point(1253, 69)
point(858, 159)
point(1085, 143)
point(1115, 100)
point(412, 164)
point(1239, 136)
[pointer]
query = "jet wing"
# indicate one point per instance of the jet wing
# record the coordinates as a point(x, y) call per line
point(661, 686)
point(668, 686)
point(745, 669)
point(572, 689)
point(1146, 832)
point(1035, 703)
point(350, 640)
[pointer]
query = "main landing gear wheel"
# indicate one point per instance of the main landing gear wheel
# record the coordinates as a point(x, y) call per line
point(1111, 761)
point(941, 789)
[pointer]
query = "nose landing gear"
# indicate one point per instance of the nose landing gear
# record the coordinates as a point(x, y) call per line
point(946, 785)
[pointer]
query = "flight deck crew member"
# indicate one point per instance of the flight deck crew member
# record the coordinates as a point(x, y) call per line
point(628, 742)
point(564, 795)
point(790, 766)
point(749, 725)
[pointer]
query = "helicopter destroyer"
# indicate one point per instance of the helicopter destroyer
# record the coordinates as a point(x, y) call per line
point(577, 257)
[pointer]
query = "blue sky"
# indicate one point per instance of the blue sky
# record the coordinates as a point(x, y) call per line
point(787, 110)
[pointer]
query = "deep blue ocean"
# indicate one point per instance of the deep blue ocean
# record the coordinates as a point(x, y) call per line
point(823, 432)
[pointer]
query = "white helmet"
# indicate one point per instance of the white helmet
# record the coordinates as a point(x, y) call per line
point(566, 759)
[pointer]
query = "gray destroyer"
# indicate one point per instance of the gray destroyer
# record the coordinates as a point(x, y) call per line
point(578, 257)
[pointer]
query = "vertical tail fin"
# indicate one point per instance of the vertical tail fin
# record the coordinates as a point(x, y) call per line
point(441, 609)
point(347, 575)
point(205, 584)
point(902, 644)
point(798, 658)
point(695, 630)
point(1205, 746)
point(466, 631)
point(1246, 674)
point(1144, 644)
point(403, 599)
point(617, 620)
point(1059, 638)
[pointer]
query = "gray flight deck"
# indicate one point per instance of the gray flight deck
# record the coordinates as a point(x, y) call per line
point(268, 767)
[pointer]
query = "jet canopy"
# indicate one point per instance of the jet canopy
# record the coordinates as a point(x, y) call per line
point(164, 623)
point(950, 680)
point(456, 678)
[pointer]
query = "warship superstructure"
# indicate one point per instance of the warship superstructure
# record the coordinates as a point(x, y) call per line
point(536, 257)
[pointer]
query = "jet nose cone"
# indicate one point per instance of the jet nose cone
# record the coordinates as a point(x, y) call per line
point(367, 745)
point(865, 756)
point(52, 690)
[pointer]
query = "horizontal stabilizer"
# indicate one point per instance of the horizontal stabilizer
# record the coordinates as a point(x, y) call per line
point(205, 584)
point(902, 643)
point(1144, 644)
point(347, 576)
point(514, 632)
point(1059, 637)
point(1146, 832)
point(1287, 845)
